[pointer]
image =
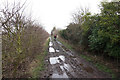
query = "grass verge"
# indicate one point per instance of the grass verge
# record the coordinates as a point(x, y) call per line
point(39, 62)
point(65, 43)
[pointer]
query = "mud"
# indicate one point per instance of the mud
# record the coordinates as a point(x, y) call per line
point(63, 63)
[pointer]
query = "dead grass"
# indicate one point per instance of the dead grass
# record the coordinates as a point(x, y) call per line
point(16, 66)
point(37, 65)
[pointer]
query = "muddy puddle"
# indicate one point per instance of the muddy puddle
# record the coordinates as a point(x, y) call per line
point(56, 75)
point(60, 75)
point(69, 53)
point(57, 50)
point(64, 67)
point(59, 42)
point(51, 49)
point(62, 58)
point(55, 60)
point(67, 67)
point(50, 44)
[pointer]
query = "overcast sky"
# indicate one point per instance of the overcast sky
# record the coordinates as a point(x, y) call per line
point(57, 13)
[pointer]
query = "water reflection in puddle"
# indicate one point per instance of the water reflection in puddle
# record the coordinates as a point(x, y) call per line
point(50, 44)
point(67, 66)
point(69, 69)
point(51, 49)
point(64, 67)
point(54, 60)
point(60, 75)
point(62, 57)
point(69, 53)
point(56, 75)
point(59, 42)
point(57, 50)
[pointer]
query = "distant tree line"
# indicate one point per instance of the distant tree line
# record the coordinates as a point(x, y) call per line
point(99, 32)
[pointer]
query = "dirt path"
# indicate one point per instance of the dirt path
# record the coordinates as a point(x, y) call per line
point(63, 63)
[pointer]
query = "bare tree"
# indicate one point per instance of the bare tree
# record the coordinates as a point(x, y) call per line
point(13, 23)
point(78, 16)
point(22, 40)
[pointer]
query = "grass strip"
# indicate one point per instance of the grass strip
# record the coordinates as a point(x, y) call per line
point(69, 46)
point(40, 61)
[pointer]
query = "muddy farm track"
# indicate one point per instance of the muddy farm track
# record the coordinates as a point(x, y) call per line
point(63, 63)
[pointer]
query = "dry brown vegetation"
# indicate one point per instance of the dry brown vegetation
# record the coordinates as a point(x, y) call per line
point(22, 41)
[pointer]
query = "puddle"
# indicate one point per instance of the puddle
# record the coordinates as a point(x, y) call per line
point(62, 68)
point(56, 75)
point(62, 58)
point(59, 42)
point(55, 60)
point(69, 53)
point(51, 49)
point(63, 75)
point(57, 50)
point(50, 44)
point(67, 67)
